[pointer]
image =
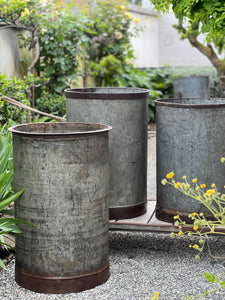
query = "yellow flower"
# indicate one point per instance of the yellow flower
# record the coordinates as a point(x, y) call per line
point(156, 294)
point(119, 35)
point(195, 246)
point(213, 185)
point(210, 192)
point(25, 12)
point(164, 181)
point(194, 180)
point(43, 30)
point(197, 257)
point(177, 185)
point(201, 214)
point(128, 15)
point(222, 159)
point(184, 177)
point(194, 214)
point(180, 232)
point(170, 175)
point(176, 217)
point(122, 7)
point(199, 197)
point(195, 227)
point(136, 20)
point(202, 186)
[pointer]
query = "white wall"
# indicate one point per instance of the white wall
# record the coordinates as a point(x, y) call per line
point(174, 51)
point(146, 45)
point(160, 44)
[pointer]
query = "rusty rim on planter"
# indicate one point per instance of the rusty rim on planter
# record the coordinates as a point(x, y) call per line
point(167, 215)
point(177, 102)
point(61, 285)
point(59, 129)
point(107, 93)
point(127, 212)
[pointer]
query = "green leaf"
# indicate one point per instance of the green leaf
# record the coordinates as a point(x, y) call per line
point(2, 265)
point(7, 201)
point(210, 277)
point(9, 221)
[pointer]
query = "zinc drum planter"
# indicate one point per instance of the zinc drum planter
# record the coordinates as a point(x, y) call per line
point(125, 109)
point(189, 141)
point(64, 170)
point(193, 86)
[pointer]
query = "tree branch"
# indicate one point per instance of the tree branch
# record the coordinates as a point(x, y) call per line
point(208, 50)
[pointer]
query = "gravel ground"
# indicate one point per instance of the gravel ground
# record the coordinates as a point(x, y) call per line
point(141, 263)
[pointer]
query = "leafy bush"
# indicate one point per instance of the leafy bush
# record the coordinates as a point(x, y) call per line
point(15, 88)
point(158, 81)
point(52, 104)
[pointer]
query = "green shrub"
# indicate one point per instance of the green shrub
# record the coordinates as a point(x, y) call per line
point(52, 104)
point(15, 88)
point(159, 82)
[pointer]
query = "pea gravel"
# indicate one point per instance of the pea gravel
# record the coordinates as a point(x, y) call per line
point(141, 264)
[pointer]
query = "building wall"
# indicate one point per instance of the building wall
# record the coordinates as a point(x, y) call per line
point(146, 45)
point(160, 44)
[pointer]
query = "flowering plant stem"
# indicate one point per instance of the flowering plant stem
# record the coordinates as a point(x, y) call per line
point(201, 226)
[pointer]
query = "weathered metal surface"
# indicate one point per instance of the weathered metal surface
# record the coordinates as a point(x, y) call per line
point(64, 170)
point(125, 109)
point(193, 86)
point(189, 141)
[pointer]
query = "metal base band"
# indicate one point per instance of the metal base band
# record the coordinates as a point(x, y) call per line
point(61, 285)
point(119, 213)
point(167, 215)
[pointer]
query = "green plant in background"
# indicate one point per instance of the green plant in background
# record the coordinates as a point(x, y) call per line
point(60, 36)
point(15, 88)
point(201, 226)
point(7, 196)
point(107, 48)
point(158, 81)
point(53, 104)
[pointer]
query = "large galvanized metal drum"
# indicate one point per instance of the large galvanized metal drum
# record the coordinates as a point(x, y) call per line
point(64, 170)
point(190, 141)
point(193, 86)
point(125, 109)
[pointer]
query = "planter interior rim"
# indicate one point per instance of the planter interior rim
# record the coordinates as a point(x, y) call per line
point(21, 129)
point(176, 102)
